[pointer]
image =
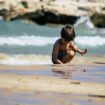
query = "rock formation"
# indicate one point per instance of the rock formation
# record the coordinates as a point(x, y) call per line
point(54, 11)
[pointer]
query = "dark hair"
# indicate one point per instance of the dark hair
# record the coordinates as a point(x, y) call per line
point(68, 33)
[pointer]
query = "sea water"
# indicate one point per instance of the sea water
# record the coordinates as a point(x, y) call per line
point(29, 43)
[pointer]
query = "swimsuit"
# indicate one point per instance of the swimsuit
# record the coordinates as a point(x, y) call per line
point(61, 54)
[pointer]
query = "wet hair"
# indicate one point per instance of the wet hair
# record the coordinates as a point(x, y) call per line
point(68, 33)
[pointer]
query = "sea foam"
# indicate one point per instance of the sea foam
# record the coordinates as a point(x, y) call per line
point(91, 41)
point(27, 40)
point(23, 59)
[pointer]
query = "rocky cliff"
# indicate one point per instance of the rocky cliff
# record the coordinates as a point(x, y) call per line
point(54, 11)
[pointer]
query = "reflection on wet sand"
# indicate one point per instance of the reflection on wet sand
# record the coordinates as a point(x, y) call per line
point(64, 73)
point(43, 85)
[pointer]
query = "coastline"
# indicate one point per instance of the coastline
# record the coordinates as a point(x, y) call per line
point(21, 76)
point(50, 84)
point(28, 59)
point(72, 82)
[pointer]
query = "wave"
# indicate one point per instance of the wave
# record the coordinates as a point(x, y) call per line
point(23, 59)
point(1, 18)
point(86, 20)
point(92, 41)
point(27, 40)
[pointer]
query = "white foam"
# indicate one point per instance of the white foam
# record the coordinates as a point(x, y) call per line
point(25, 59)
point(84, 19)
point(92, 41)
point(27, 40)
point(89, 23)
point(1, 18)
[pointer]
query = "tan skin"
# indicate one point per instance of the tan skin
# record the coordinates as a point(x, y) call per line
point(67, 46)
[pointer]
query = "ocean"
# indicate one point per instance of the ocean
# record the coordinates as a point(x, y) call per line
point(23, 43)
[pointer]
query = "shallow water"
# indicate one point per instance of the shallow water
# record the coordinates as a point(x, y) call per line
point(19, 40)
point(82, 73)
point(89, 73)
point(47, 98)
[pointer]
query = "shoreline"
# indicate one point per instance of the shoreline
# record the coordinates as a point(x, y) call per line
point(11, 80)
point(50, 84)
point(31, 60)
point(46, 66)
point(84, 75)
point(37, 84)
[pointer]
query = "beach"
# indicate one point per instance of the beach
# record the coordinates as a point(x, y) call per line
point(28, 77)
point(76, 84)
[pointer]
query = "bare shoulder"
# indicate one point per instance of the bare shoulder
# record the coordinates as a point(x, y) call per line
point(57, 43)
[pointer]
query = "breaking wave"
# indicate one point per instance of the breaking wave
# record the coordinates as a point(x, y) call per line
point(92, 41)
point(23, 59)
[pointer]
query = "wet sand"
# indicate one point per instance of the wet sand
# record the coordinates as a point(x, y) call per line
point(44, 84)
point(47, 98)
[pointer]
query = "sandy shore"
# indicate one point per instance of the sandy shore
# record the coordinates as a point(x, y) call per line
point(41, 83)
point(77, 84)
point(45, 82)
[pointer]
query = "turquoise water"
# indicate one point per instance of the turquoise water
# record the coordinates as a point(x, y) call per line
point(18, 38)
